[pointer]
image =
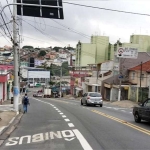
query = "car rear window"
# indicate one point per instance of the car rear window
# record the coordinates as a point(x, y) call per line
point(95, 94)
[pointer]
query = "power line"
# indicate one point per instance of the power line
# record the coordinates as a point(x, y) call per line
point(4, 21)
point(42, 31)
point(4, 24)
point(71, 29)
point(7, 28)
point(68, 29)
point(5, 37)
point(115, 10)
point(33, 38)
point(9, 8)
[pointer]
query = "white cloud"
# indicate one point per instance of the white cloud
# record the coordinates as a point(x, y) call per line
point(89, 21)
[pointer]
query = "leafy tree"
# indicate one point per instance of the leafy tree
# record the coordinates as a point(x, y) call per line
point(42, 53)
point(56, 48)
point(52, 83)
point(37, 48)
point(70, 48)
point(55, 70)
point(27, 47)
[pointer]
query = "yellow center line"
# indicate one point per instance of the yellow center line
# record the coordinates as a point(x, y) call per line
point(123, 122)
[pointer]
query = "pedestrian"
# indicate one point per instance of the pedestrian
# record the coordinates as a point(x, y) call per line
point(25, 103)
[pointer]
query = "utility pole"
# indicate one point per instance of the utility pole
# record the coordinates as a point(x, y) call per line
point(119, 92)
point(149, 89)
point(15, 48)
point(60, 78)
point(141, 80)
point(97, 78)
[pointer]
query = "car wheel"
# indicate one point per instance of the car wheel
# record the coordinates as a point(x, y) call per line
point(87, 104)
point(137, 118)
point(101, 105)
point(81, 102)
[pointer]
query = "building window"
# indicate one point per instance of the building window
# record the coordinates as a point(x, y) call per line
point(142, 76)
point(133, 75)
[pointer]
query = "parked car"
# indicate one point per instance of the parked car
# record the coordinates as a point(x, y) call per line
point(38, 94)
point(142, 112)
point(92, 98)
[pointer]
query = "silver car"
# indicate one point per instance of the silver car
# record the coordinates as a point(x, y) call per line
point(92, 98)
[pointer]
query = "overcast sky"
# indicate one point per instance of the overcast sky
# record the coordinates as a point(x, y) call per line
point(86, 21)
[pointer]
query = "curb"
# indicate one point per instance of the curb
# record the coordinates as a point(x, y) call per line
point(4, 128)
point(5, 133)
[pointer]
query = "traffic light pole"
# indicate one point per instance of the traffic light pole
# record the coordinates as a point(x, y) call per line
point(15, 49)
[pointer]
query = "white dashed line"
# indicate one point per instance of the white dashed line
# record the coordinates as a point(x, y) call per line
point(66, 120)
point(123, 110)
point(130, 112)
point(71, 125)
point(64, 116)
point(61, 113)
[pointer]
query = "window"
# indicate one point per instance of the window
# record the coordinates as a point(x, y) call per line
point(142, 76)
point(94, 94)
point(133, 75)
point(147, 103)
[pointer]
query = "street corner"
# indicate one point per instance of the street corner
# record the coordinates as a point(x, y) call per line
point(6, 118)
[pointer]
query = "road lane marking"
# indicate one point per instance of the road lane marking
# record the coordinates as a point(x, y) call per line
point(71, 125)
point(85, 145)
point(61, 113)
point(123, 110)
point(123, 122)
point(60, 101)
point(67, 120)
point(130, 112)
point(64, 116)
point(67, 135)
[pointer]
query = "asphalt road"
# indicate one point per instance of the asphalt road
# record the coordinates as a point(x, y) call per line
point(54, 124)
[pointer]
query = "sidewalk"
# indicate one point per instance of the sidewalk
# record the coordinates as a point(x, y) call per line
point(7, 114)
point(122, 103)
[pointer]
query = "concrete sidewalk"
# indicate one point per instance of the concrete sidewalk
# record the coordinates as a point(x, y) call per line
point(6, 118)
point(122, 103)
point(7, 114)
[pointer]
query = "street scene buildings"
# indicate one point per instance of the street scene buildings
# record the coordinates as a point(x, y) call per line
point(74, 75)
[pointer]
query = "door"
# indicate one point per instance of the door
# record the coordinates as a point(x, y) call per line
point(147, 110)
point(84, 98)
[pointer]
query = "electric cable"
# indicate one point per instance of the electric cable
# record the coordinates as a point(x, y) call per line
point(43, 32)
point(5, 37)
point(115, 10)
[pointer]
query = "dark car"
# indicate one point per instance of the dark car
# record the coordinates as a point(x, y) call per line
point(142, 112)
